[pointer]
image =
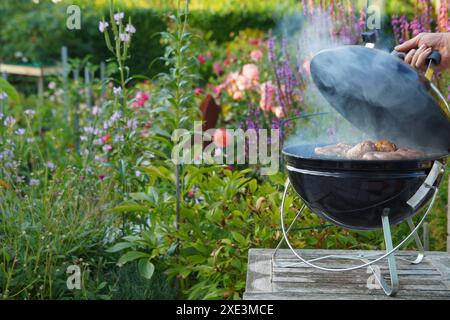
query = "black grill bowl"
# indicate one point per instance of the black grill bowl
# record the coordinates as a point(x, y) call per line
point(354, 194)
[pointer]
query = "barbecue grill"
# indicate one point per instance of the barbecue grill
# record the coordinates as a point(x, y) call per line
point(382, 97)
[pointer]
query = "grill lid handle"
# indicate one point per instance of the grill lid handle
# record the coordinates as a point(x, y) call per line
point(436, 172)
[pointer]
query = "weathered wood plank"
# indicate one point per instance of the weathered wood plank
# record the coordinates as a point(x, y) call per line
point(284, 278)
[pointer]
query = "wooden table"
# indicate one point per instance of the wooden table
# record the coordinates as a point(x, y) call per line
point(282, 280)
point(39, 72)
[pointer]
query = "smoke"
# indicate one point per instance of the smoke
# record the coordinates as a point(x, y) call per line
point(308, 35)
point(376, 96)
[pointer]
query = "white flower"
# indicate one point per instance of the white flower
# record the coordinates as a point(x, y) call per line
point(88, 130)
point(3, 96)
point(30, 140)
point(102, 26)
point(138, 173)
point(145, 163)
point(99, 159)
point(125, 37)
point(107, 148)
point(118, 17)
point(20, 132)
point(9, 121)
point(96, 110)
point(50, 165)
point(117, 91)
point(132, 124)
point(130, 28)
point(115, 116)
point(52, 85)
point(30, 113)
point(118, 138)
point(83, 138)
point(34, 182)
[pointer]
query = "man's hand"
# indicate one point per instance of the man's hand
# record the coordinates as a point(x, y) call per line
point(419, 48)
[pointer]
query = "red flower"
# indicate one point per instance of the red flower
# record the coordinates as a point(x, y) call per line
point(106, 138)
point(201, 59)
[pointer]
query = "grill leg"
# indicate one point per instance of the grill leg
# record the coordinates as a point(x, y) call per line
point(393, 288)
point(421, 253)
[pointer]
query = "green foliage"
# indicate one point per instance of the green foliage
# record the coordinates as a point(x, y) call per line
point(39, 31)
point(6, 87)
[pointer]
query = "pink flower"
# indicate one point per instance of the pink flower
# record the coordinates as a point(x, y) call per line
point(232, 77)
point(251, 72)
point(278, 112)
point(256, 55)
point(198, 91)
point(106, 138)
point(142, 96)
point(107, 148)
point(218, 89)
point(222, 138)
point(267, 96)
point(217, 68)
point(238, 95)
point(201, 59)
point(243, 83)
point(140, 100)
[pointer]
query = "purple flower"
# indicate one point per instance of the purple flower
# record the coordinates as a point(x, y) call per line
point(50, 165)
point(117, 91)
point(130, 28)
point(118, 17)
point(102, 26)
point(20, 131)
point(125, 37)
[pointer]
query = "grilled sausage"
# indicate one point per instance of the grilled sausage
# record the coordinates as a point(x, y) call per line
point(382, 156)
point(337, 150)
point(358, 151)
point(410, 153)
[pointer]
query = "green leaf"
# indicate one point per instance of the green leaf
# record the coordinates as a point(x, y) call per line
point(128, 207)
point(253, 185)
point(239, 238)
point(12, 93)
point(119, 247)
point(146, 268)
point(132, 256)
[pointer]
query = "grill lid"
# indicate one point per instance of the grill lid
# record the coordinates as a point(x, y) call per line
point(382, 96)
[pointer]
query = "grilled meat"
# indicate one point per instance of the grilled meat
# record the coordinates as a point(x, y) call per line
point(385, 146)
point(358, 151)
point(410, 153)
point(382, 156)
point(337, 150)
point(368, 150)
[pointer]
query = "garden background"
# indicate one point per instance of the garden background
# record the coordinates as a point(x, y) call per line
point(85, 173)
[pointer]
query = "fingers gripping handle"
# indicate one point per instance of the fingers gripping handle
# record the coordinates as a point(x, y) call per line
point(435, 57)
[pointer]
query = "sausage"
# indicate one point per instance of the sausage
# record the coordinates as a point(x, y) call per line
point(337, 150)
point(382, 156)
point(358, 151)
point(410, 153)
